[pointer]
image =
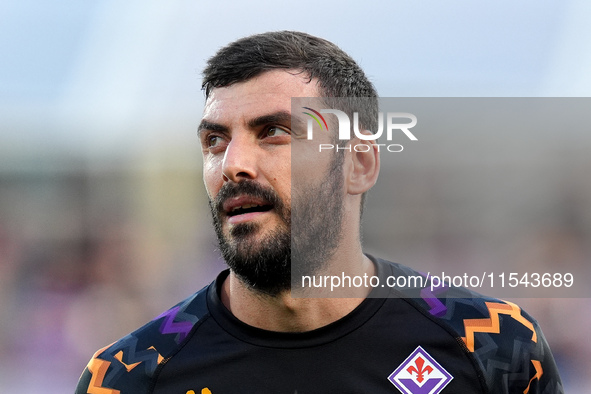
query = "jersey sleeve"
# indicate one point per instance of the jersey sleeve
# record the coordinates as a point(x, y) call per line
point(120, 368)
point(543, 372)
point(512, 351)
point(131, 365)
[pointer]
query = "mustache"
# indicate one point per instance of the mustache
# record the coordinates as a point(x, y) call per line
point(245, 188)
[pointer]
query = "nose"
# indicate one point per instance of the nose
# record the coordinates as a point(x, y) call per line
point(240, 161)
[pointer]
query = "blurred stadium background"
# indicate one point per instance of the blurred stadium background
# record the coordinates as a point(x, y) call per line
point(103, 219)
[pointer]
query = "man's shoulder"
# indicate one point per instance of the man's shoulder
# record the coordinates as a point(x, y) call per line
point(505, 342)
point(437, 297)
point(131, 363)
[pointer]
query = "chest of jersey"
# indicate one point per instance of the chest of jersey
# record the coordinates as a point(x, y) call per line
point(377, 356)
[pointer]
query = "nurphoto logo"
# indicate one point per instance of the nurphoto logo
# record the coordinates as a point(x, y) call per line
point(345, 129)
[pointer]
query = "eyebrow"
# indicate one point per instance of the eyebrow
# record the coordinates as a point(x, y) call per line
point(276, 117)
point(207, 125)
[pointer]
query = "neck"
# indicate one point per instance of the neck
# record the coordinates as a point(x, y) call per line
point(284, 313)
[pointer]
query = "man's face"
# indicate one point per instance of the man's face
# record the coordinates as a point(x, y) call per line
point(246, 136)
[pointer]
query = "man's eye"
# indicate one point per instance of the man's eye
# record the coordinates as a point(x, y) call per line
point(274, 131)
point(213, 140)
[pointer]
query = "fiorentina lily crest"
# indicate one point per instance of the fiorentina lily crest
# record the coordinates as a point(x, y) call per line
point(420, 374)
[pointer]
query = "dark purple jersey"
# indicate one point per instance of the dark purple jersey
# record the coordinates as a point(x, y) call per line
point(397, 341)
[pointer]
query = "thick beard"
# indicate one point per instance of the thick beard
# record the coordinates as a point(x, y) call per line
point(266, 266)
point(317, 223)
point(261, 265)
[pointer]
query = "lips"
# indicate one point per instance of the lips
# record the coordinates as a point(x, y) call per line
point(243, 205)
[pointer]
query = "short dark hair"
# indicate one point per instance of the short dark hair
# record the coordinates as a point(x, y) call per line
point(338, 75)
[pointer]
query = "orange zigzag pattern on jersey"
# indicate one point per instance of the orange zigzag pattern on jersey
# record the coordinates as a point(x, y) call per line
point(492, 325)
point(98, 369)
point(130, 367)
point(538, 375)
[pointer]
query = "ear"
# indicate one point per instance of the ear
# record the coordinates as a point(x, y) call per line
point(364, 166)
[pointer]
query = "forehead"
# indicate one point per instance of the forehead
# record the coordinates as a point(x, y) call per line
point(266, 93)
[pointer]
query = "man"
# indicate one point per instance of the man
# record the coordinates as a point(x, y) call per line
point(279, 207)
